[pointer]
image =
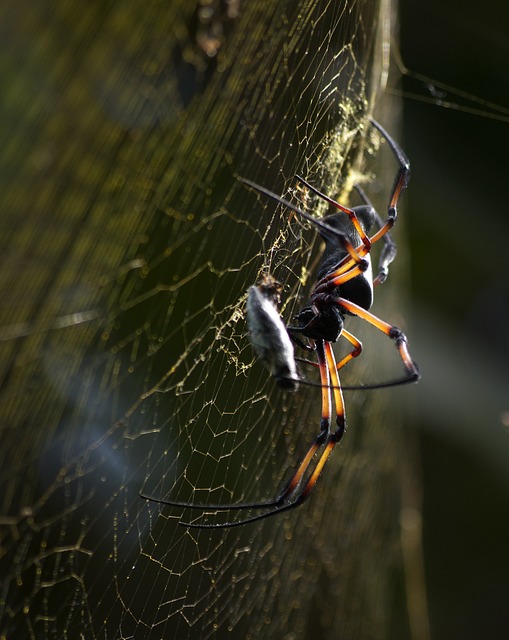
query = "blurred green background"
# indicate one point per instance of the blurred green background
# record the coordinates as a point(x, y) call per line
point(459, 234)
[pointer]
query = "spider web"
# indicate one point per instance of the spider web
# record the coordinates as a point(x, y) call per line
point(126, 366)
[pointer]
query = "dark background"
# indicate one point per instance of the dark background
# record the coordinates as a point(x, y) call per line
point(458, 227)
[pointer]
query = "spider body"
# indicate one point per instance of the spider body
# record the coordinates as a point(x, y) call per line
point(344, 287)
point(321, 319)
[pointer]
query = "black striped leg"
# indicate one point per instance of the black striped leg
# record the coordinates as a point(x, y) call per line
point(391, 332)
point(400, 184)
point(293, 494)
point(355, 353)
point(354, 256)
point(366, 241)
point(389, 249)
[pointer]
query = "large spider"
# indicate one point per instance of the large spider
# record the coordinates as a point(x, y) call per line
point(344, 287)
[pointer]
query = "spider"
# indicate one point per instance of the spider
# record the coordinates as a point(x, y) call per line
point(344, 287)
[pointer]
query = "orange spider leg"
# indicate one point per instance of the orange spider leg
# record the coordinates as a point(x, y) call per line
point(388, 329)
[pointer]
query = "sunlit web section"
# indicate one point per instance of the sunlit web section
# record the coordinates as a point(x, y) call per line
point(158, 390)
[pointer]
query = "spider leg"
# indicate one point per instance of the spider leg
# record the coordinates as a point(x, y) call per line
point(330, 380)
point(335, 279)
point(354, 354)
point(349, 212)
point(400, 184)
point(390, 331)
point(355, 257)
point(300, 343)
point(389, 249)
point(356, 351)
point(325, 422)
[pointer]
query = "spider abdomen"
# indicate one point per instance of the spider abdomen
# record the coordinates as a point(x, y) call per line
point(358, 290)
